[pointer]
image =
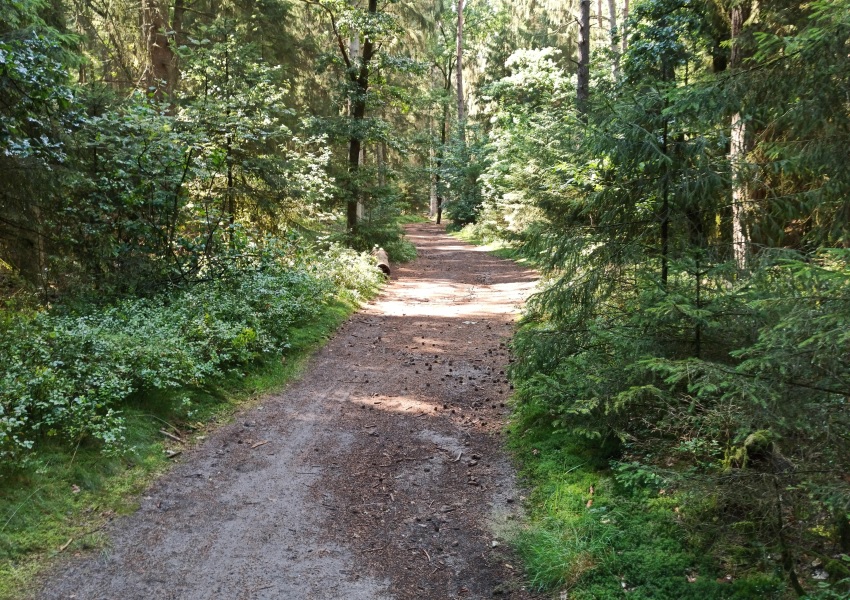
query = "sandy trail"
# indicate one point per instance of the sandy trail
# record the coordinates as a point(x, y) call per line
point(383, 476)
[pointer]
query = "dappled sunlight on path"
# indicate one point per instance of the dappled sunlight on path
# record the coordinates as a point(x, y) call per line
point(380, 474)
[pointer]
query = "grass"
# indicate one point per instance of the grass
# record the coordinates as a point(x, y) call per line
point(613, 542)
point(497, 246)
point(412, 218)
point(60, 502)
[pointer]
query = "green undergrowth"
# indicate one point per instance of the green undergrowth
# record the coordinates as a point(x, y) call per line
point(590, 535)
point(413, 218)
point(497, 246)
point(58, 503)
point(597, 530)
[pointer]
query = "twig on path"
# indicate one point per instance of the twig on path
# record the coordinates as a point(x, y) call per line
point(257, 589)
point(65, 545)
point(426, 554)
point(258, 444)
point(459, 454)
point(176, 438)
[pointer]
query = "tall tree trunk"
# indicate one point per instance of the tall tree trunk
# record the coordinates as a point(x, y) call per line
point(360, 78)
point(443, 129)
point(615, 53)
point(583, 84)
point(230, 197)
point(461, 112)
point(160, 73)
point(432, 163)
point(665, 212)
point(737, 153)
point(624, 41)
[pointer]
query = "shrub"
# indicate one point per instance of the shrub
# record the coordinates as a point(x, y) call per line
point(66, 375)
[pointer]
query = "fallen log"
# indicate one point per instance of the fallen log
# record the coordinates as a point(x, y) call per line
point(382, 260)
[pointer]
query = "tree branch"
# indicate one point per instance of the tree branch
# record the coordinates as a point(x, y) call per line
point(340, 42)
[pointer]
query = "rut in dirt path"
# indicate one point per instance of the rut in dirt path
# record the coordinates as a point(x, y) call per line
point(383, 476)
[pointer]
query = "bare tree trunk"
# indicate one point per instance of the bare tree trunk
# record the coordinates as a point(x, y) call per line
point(625, 39)
point(583, 84)
point(737, 153)
point(599, 14)
point(360, 79)
point(443, 128)
point(432, 209)
point(665, 213)
point(615, 53)
point(161, 71)
point(461, 112)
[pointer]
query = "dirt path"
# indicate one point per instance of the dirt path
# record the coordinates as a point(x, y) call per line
point(383, 476)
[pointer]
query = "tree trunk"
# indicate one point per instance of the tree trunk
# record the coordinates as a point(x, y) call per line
point(737, 153)
point(432, 206)
point(382, 261)
point(461, 112)
point(360, 79)
point(583, 84)
point(443, 128)
point(161, 70)
point(624, 41)
point(615, 53)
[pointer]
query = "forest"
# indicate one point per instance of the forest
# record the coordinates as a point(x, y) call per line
point(188, 184)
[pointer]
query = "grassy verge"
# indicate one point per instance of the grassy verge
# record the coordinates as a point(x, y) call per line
point(412, 218)
point(591, 535)
point(498, 247)
point(61, 500)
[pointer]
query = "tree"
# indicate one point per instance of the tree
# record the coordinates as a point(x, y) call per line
point(583, 64)
point(739, 12)
point(461, 113)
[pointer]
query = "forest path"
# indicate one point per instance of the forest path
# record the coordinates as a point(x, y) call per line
point(383, 476)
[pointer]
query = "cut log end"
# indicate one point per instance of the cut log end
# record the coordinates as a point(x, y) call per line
point(382, 260)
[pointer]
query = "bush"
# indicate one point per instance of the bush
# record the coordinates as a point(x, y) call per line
point(67, 375)
point(726, 393)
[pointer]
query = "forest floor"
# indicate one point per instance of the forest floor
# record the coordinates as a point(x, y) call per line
point(380, 474)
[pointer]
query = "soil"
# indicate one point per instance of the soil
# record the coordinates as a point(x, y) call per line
point(380, 474)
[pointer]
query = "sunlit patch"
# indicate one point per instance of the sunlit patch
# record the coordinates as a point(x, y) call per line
point(398, 404)
point(424, 298)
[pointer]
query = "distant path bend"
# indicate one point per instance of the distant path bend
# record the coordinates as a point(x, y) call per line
point(383, 476)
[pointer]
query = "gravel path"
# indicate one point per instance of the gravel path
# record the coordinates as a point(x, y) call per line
point(383, 475)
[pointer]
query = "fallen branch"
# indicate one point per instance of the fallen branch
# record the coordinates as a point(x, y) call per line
point(171, 436)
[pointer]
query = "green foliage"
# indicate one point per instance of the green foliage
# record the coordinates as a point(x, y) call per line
point(717, 388)
point(599, 534)
point(68, 493)
point(68, 375)
point(462, 166)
